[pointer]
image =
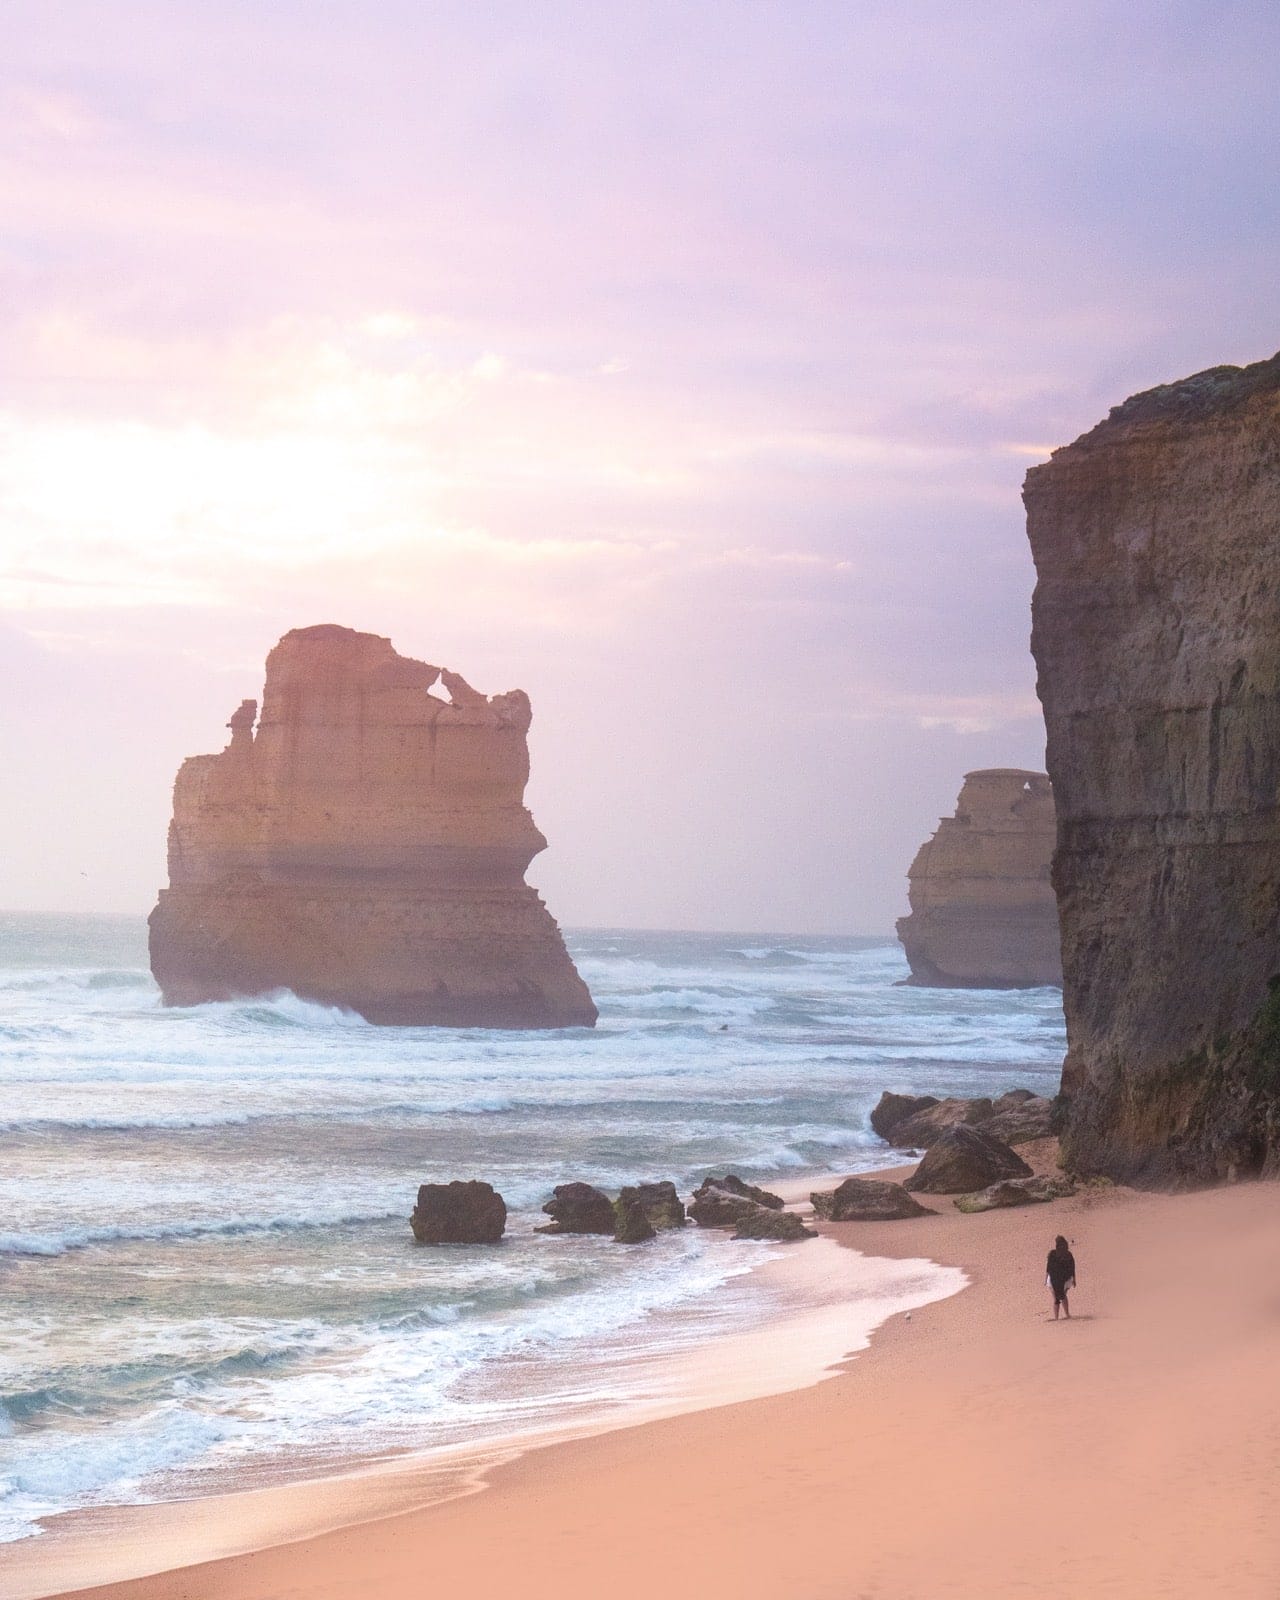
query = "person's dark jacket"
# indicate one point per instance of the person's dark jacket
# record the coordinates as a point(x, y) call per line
point(1061, 1267)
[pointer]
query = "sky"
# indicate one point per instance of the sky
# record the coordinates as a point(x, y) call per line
point(677, 363)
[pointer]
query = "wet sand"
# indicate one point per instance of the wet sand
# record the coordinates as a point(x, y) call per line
point(976, 1449)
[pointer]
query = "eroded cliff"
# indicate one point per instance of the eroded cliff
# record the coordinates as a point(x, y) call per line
point(365, 846)
point(983, 913)
point(1156, 631)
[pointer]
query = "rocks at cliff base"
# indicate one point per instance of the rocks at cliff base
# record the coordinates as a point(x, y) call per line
point(895, 1108)
point(915, 1122)
point(719, 1202)
point(1156, 634)
point(458, 1213)
point(763, 1222)
point(1018, 1117)
point(1016, 1192)
point(867, 1200)
point(631, 1223)
point(365, 847)
point(983, 913)
point(965, 1159)
point(579, 1208)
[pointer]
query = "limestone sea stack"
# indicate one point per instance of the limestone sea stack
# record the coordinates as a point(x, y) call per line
point(1156, 631)
point(983, 915)
point(365, 846)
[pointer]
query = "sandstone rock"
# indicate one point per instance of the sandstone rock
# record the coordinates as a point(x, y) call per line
point(983, 914)
point(659, 1202)
point(365, 848)
point(458, 1213)
point(1156, 632)
point(579, 1208)
point(1015, 1192)
point(965, 1159)
point(763, 1222)
point(631, 1224)
point(718, 1202)
point(892, 1108)
point(866, 1200)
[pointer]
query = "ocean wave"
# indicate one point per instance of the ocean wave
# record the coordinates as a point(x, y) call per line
point(57, 1244)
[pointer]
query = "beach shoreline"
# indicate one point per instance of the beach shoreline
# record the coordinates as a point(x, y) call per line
point(974, 1449)
point(819, 1304)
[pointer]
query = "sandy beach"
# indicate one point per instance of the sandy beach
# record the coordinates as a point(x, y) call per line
point(976, 1449)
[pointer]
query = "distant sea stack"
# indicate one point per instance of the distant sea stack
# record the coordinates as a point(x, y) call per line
point(1156, 630)
point(366, 847)
point(983, 915)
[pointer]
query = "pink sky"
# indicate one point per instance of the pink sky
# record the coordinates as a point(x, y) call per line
point(678, 364)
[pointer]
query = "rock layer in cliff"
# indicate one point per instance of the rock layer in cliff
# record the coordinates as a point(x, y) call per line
point(983, 914)
point(1156, 631)
point(366, 847)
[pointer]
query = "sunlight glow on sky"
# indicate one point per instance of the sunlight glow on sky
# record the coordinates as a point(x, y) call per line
point(677, 364)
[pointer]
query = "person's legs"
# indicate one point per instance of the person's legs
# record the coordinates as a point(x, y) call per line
point(1066, 1305)
point(1057, 1301)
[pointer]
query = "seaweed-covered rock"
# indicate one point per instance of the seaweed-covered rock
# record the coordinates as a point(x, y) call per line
point(891, 1109)
point(660, 1203)
point(579, 1208)
point(866, 1200)
point(1015, 1192)
point(763, 1222)
point(458, 1213)
point(965, 1159)
point(719, 1202)
point(631, 1223)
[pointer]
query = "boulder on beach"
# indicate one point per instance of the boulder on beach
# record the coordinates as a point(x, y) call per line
point(763, 1222)
point(925, 1127)
point(719, 1202)
point(458, 1213)
point(579, 1208)
point(631, 1223)
point(1016, 1192)
point(965, 1159)
point(866, 1200)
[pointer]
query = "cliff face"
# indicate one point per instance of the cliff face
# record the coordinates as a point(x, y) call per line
point(1157, 636)
point(983, 914)
point(365, 847)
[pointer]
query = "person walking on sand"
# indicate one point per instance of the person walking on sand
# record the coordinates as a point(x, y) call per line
point(1060, 1275)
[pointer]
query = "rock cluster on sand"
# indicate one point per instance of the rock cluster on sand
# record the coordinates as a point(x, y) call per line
point(964, 1159)
point(1156, 632)
point(914, 1122)
point(1016, 1192)
point(866, 1200)
point(983, 913)
point(458, 1213)
point(752, 1213)
point(719, 1202)
point(365, 847)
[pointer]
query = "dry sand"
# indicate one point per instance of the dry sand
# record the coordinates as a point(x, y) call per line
point(977, 1449)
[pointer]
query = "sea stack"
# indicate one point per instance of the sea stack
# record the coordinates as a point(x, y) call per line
point(1156, 630)
point(983, 915)
point(366, 847)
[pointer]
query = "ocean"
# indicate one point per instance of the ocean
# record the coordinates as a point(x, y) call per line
point(206, 1270)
